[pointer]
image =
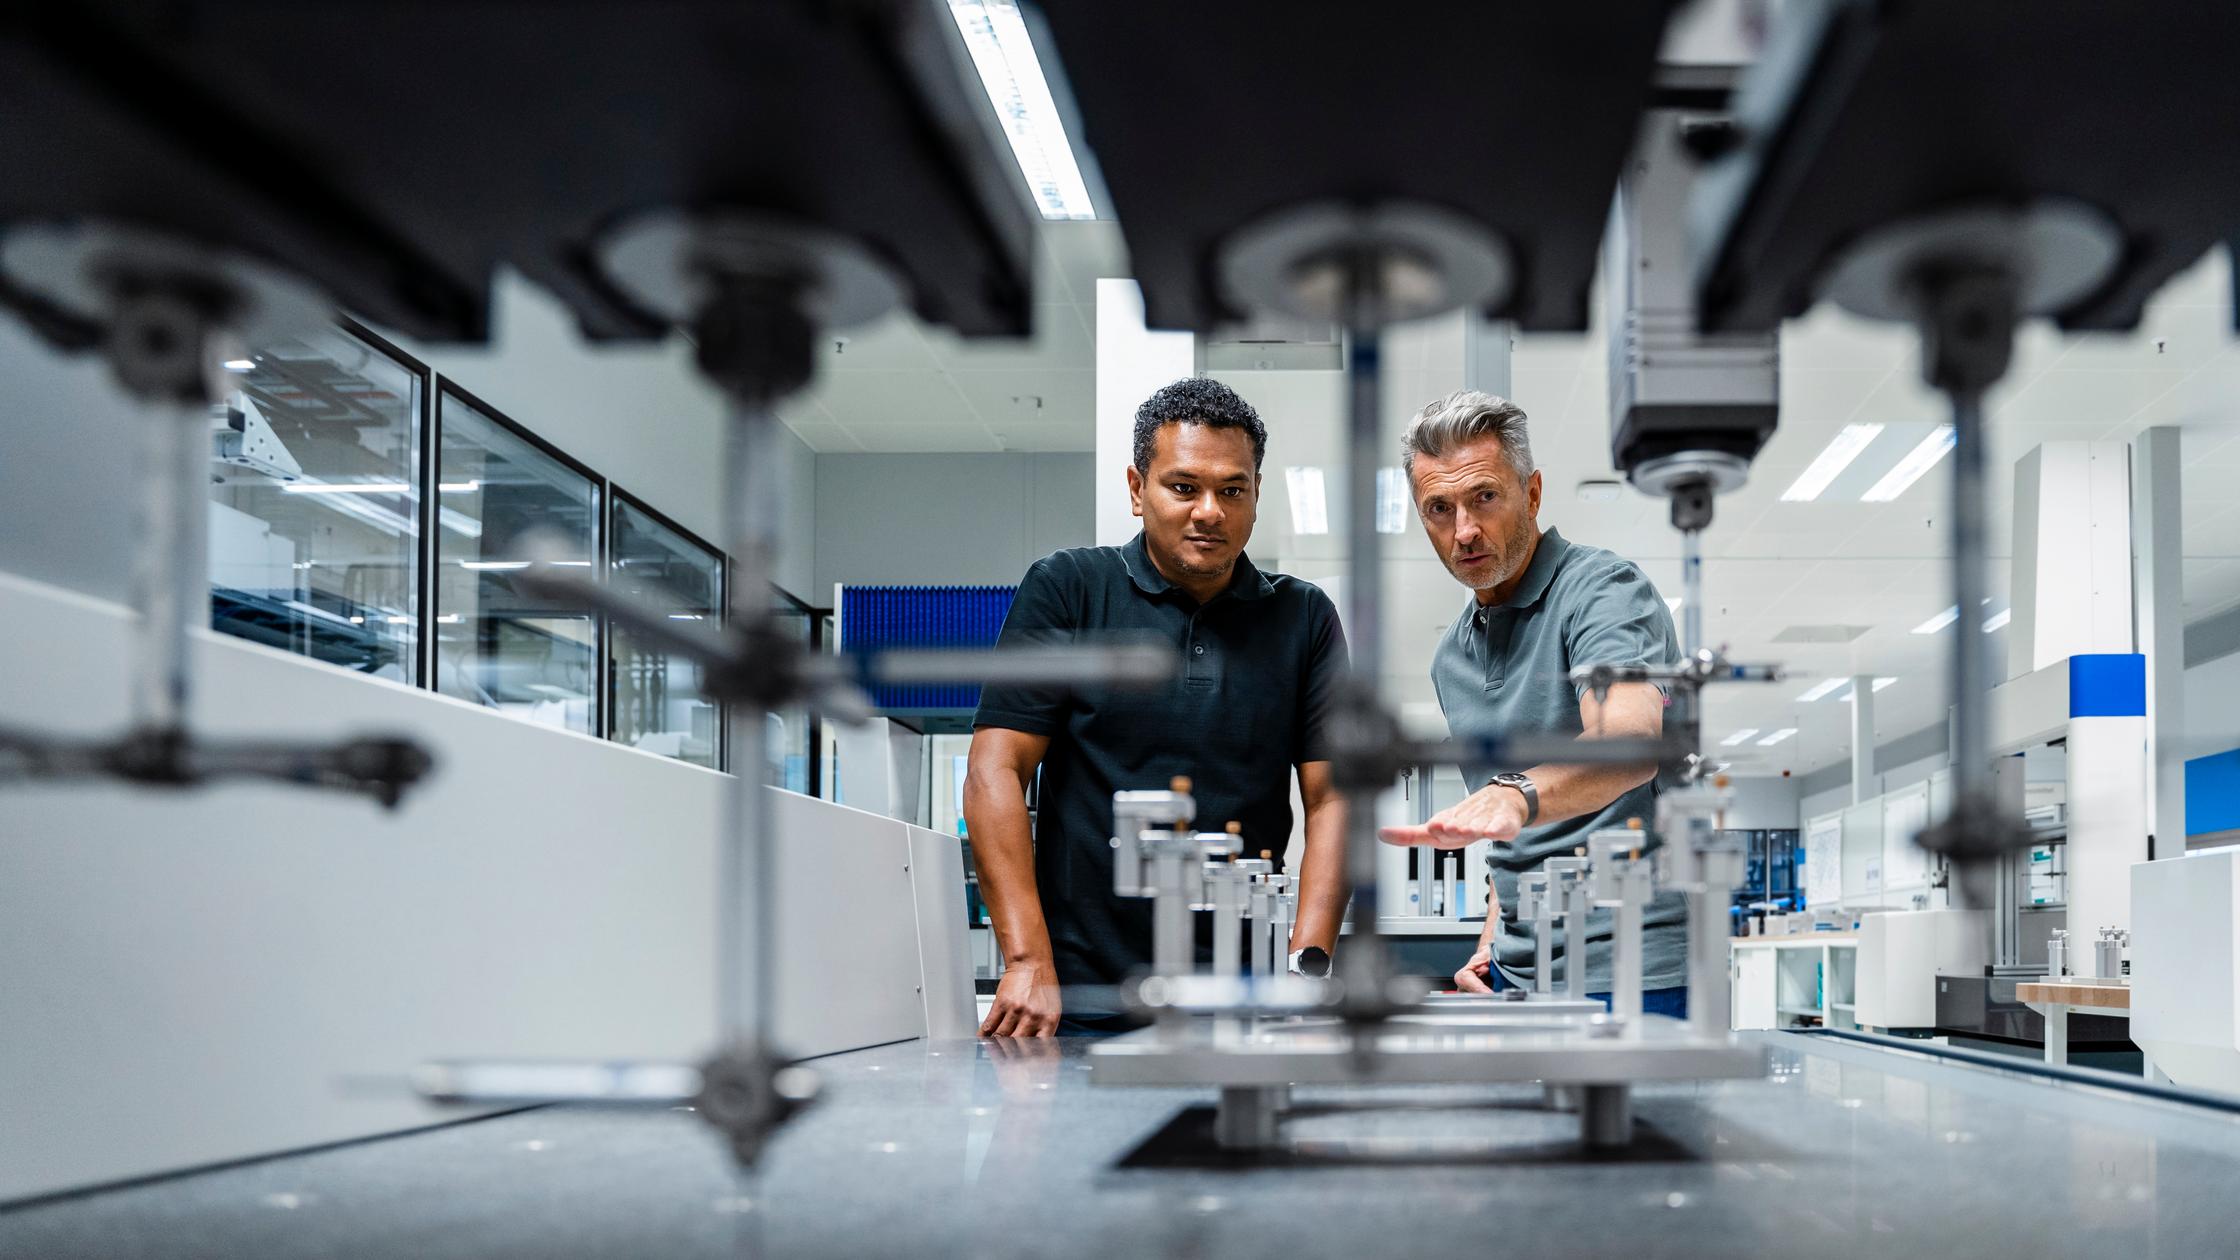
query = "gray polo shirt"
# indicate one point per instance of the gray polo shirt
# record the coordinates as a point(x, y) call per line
point(1507, 669)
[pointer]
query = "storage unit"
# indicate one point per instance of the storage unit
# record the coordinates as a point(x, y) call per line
point(1801, 981)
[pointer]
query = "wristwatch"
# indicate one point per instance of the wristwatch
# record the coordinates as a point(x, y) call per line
point(1523, 784)
point(1311, 961)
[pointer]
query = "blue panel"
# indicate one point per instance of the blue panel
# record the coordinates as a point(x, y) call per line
point(2108, 685)
point(878, 617)
point(2213, 793)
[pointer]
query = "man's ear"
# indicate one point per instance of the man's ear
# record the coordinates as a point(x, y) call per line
point(1135, 490)
point(1532, 493)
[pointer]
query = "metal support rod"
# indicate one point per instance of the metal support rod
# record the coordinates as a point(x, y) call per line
point(1625, 954)
point(1228, 923)
point(1707, 963)
point(1544, 948)
point(1172, 952)
point(1971, 650)
point(1245, 1118)
point(748, 926)
point(1605, 1115)
point(1364, 961)
point(1575, 939)
point(171, 583)
point(1687, 702)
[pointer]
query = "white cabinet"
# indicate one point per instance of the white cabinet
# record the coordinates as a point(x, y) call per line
point(1800, 981)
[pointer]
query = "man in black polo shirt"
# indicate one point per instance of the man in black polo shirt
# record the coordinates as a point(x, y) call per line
point(1262, 658)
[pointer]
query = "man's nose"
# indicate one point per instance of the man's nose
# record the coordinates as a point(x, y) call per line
point(1207, 509)
point(1466, 531)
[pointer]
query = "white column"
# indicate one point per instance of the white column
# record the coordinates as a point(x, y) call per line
point(2107, 790)
point(2157, 529)
point(2072, 555)
point(1863, 784)
point(1132, 362)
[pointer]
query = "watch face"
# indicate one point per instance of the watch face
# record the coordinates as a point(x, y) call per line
point(1313, 961)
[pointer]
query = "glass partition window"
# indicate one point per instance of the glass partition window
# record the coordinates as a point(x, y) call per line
point(658, 702)
point(495, 643)
point(315, 503)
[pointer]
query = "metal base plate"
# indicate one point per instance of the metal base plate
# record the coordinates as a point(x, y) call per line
point(1531, 1047)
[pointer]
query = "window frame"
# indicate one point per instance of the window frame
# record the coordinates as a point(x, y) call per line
point(600, 546)
point(616, 497)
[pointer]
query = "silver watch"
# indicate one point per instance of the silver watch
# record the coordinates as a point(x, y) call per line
point(1524, 785)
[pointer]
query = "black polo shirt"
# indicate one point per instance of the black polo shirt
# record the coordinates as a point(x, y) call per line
point(1262, 665)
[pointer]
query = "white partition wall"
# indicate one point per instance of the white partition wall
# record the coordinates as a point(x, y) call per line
point(204, 976)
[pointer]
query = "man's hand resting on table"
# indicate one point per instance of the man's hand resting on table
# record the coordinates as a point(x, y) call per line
point(1476, 975)
point(1027, 1002)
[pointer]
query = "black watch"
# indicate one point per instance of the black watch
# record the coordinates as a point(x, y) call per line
point(1523, 784)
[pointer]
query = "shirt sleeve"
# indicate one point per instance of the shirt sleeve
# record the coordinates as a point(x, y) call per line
point(1326, 672)
point(1043, 613)
point(1621, 620)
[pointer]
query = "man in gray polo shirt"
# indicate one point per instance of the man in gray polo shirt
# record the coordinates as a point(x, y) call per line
point(1539, 605)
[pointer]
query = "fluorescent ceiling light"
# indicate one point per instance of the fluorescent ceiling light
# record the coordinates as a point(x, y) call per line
point(484, 565)
point(1998, 620)
point(1004, 55)
point(1392, 502)
point(571, 564)
point(1739, 736)
point(1775, 738)
point(1821, 689)
point(240, 365)
point(1939, 622)
point(458, 487)
point(448, 619)
point(1919, 460)
point(1830, 463)
point(1310, 512)
point(347, 487)
point(687, 617)
point(1879, 684)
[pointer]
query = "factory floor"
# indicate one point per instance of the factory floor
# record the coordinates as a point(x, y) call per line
point(1001, 1149)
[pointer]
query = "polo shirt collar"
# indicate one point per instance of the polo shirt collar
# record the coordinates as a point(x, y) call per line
point(1246, 582)
point(1546, 558)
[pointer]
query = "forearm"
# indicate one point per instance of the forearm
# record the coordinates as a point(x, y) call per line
point(1570, 790)
point(995, 813)
point(1323, 886)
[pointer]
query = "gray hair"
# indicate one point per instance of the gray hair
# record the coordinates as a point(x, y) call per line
point(1465, 416)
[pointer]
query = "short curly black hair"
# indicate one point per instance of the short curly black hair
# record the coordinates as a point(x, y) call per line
point(1196, 400)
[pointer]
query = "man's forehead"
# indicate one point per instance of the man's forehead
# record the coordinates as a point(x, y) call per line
point(1482, 460)
point(1204, 448)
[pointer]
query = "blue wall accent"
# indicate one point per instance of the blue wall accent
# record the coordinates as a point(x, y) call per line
point(876, 617)
point(2108, 685)
point(2213, 793)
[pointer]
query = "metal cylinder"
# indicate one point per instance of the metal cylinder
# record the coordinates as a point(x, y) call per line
point(2057, 954)
point(171, 583)
point(1625, 958)
point(1575, 938)
point(1228, 918)
point(1245, 1118)
point(1544, 949)
point(748, 917)
point(1708, 996)
point(1171, 949)
point(1606, 1115)
point(1363, 960)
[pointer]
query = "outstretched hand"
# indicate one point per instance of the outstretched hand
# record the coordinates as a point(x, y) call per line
point(1493, 812)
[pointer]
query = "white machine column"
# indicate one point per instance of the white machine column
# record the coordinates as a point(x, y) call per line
point(1132, 362)
point(2072, 555)
point(2073, 602)
point(2107, 789)
point(2157, 529)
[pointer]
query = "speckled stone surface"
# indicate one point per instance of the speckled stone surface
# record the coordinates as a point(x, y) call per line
point(1002, 1150)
